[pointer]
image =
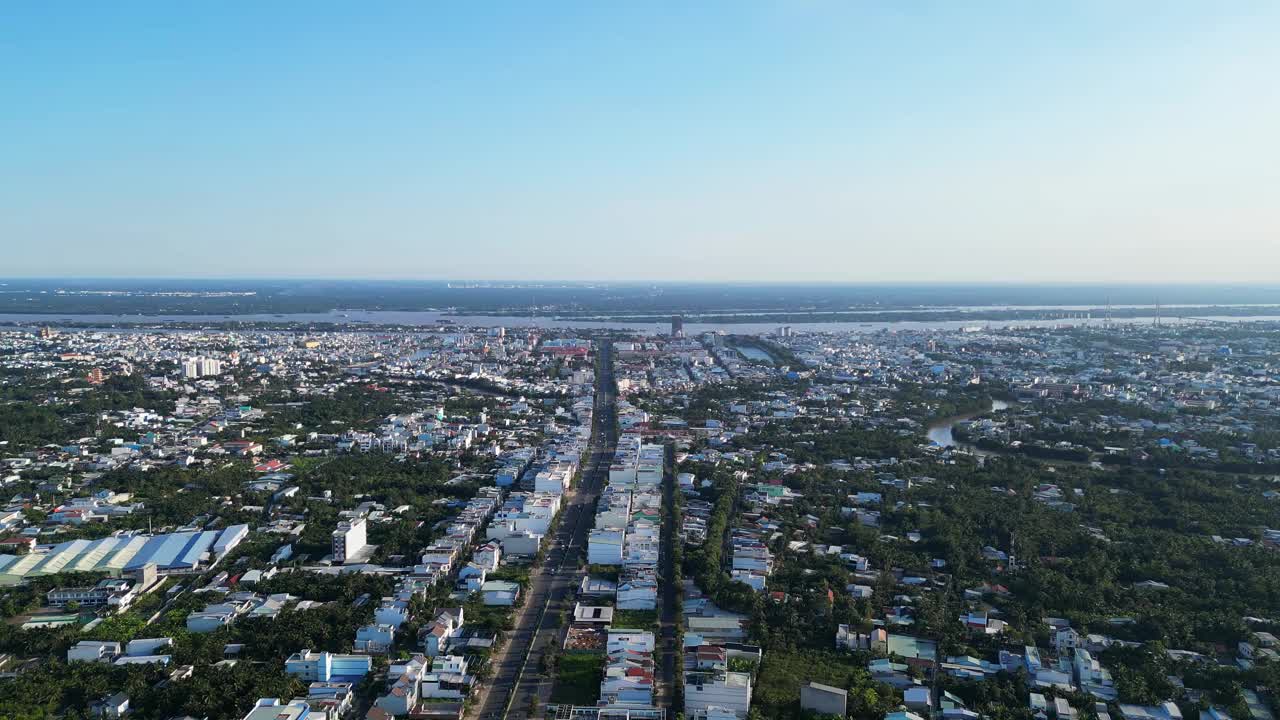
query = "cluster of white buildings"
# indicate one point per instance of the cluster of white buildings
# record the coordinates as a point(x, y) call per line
point(713, 638)
point(438, 679)
point(711, 690)
point(463, 552)
point(417, 433)
point(135, 652)
point(539, 440)
point(242, 604)
point(544, 475)
point(523, 521)
point(436, 675)
point(328, 667)
point(627, 535)
point(628, 525)
point(444, 558)
point(665, 365)
point(628, 672)
point(1206, 387)
point(200, 366)
point(101, 506)
point(752, 561)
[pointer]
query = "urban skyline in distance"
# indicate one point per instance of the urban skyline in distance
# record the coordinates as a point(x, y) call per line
point(570, 360)
point(787, 142)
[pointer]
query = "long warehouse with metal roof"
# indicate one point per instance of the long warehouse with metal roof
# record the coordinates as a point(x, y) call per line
point(172, 553)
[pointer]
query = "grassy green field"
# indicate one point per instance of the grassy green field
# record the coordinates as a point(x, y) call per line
point(635, 619)
point(578, 679)
point(777, 687)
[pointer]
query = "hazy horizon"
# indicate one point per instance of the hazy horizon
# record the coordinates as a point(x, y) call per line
point(811, 142)
point(636, 282)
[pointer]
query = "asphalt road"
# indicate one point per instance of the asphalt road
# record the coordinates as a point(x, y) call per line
point(518, 676)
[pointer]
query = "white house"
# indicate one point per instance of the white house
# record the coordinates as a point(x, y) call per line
point(487, 556)
point(444, 627)
point(93, 651)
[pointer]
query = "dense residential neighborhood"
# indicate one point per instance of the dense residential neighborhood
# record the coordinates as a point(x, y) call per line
point(714, 360)
point(910, 525)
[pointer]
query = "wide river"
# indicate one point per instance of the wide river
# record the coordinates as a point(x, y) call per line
point(357, 318)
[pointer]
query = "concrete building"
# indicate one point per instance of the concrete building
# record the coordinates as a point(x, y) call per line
point(328, 667)
point(348, 539)
point(115, 592)
point(147, 646)
point(93, 651)
point(604, 547)
point(275, 709)
point(488, 556)
point(111, 707)
point(824, 699)
point(729, 690)
point(446, 625)
point(526, 545)
point(375, 639)
point(500, 592)
point(629, 640)
point(198, 367)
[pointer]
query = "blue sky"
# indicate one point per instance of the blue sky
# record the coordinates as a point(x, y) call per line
point(800, 140)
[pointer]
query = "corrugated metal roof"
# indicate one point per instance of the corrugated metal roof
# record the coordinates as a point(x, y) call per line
point(232, 534)
point(123, 553)
point(58, 558)
point(161, 550)
point(198, 546)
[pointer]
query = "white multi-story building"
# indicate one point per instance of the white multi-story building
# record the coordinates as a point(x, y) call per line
point(325, 666)
point(555, 478)
point(613, 510)
point(198, 367)
point(642, 543)
point(393, 611)
point(93, 651)
point(625, 459)
point(524, 513)
point(650, 464)
point(348, 539)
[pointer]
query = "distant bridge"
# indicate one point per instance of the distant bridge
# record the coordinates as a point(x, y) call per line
point(1210, 321)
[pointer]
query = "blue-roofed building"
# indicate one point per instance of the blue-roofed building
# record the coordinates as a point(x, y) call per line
point(116, 555)
point(1031, 657)
point(161, 550)
point(197, 550)
point(230, 538)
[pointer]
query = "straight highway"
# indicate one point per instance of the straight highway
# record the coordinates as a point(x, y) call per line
point(518, 675)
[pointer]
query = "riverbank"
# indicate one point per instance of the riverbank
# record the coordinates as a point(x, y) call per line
point(941, 432)
point(378, 320)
